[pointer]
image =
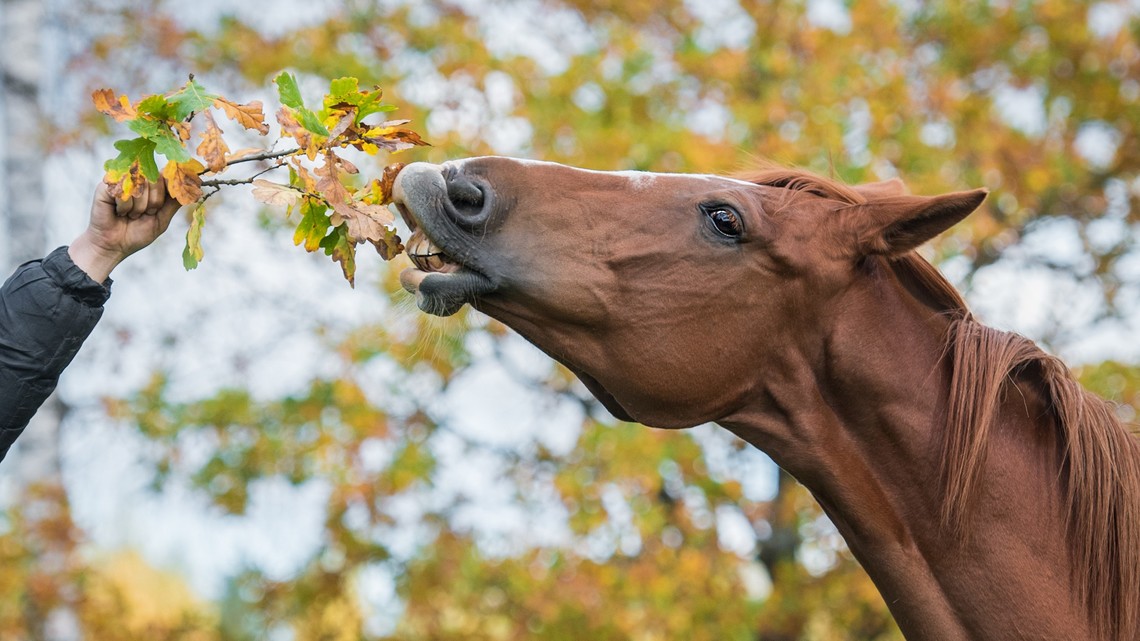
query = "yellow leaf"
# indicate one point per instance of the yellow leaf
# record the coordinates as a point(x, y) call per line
point(125, 185)
point(248, 115)
point(183, 181)
point(213, 148)
point(121, 109)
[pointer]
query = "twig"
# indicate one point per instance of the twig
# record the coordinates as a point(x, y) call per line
point(218, 182)
point(265, 155)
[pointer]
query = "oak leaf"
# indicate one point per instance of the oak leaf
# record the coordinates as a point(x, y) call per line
point(287, 118)
point(300, 178)
point(189, 100)
point(287, 90)
point(248, 115)
point(331, 188)
point(157, 108)
point(192, 254)
point(390, 246)
point(345, 119)
point(183, 181)
point(121, 109)
point(342, 250)
point(366, 223)
point(213, 148)
point(272, 193)
point(134, 165)
point(383, 186)
point(390, 136)
point(313, 226)
point(123, 185)
point(182, 129)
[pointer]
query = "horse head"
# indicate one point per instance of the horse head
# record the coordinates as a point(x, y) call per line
point(669, 295)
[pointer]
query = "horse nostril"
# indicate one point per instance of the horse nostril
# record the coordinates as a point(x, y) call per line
point(465, 195)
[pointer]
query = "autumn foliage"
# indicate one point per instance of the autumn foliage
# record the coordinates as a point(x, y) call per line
point(935, 92)
point(335, 215)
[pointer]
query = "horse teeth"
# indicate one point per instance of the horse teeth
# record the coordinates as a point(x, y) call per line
point(426, 255)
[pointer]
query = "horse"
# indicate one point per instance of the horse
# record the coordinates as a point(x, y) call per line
point(987, 495)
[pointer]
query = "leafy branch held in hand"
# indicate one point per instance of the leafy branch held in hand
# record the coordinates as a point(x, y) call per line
point(334, 216)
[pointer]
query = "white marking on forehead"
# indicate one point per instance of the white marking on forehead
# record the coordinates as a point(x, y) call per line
point(638, 179)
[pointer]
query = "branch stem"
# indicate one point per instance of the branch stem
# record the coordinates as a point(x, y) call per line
point(218, 182)
point(265, 155)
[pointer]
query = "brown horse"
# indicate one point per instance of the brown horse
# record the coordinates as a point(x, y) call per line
point(986, 494)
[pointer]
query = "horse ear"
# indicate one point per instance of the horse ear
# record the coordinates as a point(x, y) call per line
point(882, 189)
point(894, 225)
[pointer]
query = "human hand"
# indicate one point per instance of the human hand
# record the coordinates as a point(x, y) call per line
point(119, 228)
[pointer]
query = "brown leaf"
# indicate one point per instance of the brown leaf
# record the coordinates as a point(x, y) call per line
point(329, 185)
point(183, 181)
point(391, 246)
point(127, 185)
point(307, 179)
point(387, 181)
point(393, 139)
point(367, 222)
point(348, 167)
point(272, 193)
point(292, 127)
point(213, 148)
point(248, 115)
point(182, 129)
point(346, 120)
point(121, 109)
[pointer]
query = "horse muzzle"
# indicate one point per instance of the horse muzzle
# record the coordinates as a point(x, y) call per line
point(445, 209)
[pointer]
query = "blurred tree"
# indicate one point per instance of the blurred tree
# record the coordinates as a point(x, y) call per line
point(1037, 101)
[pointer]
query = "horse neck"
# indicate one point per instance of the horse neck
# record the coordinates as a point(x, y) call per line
point(857, 416)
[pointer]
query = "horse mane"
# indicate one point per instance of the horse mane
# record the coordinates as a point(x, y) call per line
point(1098, 458)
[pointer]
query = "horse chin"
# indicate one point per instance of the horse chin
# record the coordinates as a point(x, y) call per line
point(444, 293)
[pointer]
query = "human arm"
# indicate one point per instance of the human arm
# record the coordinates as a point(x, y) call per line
point(49, 307)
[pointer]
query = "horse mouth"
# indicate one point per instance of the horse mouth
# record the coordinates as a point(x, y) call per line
point(443, 277)
point(428, 257)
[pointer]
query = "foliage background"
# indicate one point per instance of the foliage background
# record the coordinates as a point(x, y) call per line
point(252, 451)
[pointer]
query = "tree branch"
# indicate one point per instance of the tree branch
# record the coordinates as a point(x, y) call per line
point(265, 155)
point(218, 182)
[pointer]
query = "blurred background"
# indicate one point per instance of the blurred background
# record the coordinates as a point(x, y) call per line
point(253, 450)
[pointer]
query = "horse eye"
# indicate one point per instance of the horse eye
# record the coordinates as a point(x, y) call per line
point(726, 221)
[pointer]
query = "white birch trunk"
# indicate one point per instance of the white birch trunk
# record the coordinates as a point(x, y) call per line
point(36, 455)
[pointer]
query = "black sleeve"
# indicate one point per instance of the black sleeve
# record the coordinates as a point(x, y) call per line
point(47, 309)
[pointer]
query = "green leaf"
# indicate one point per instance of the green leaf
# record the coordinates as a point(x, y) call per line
point(138, 150)
point(288, 91)
point(347, 91)
point(156, 107)
point(191, 98)
point(342, 250)
point(145, 127)
point(193, 254)
point(344, 90)
point(311, 122)
point(166, 143)
point(313, 226)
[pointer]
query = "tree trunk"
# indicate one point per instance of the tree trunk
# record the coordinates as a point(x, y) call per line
point(35, 456)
